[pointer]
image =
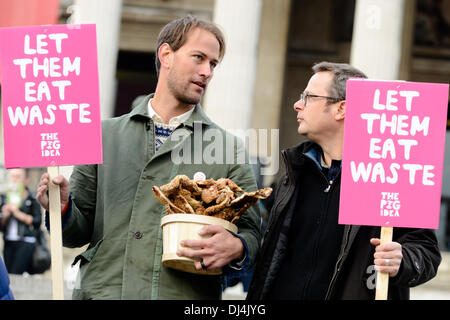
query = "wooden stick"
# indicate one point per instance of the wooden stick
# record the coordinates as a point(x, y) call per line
point(382, 284)
point(56, 236)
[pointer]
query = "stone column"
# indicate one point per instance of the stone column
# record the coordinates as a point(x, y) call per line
point(106, 14)
point(268, 93)
point(382, 38)
point(269, 84)
point(229, 97)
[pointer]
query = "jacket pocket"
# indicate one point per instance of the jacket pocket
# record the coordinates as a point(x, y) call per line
point(88, 255)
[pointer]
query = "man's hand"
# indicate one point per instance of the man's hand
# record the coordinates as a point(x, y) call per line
point(388, 256)
point(6, 210)
point(42, 191)
point(215, 252)
point(14, 210)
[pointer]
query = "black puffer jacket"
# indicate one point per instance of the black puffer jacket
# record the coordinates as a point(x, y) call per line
point(353, 276)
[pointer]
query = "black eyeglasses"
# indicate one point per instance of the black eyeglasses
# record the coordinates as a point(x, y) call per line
point(304, 97)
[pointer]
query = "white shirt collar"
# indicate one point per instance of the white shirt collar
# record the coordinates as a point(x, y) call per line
point(175, 121)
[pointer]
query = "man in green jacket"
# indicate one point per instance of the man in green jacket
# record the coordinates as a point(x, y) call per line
point(111, 206)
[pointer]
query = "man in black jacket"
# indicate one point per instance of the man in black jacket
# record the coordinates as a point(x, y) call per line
point(305, 253)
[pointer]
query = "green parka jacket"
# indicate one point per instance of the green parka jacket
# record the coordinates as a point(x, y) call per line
point(114, 210)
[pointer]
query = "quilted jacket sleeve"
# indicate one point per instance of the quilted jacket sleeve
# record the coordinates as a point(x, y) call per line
point(421, 256)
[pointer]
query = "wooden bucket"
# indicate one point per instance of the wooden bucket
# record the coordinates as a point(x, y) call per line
point(177, 227)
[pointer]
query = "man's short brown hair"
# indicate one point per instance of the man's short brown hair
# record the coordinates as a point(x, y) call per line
point(175, 35)
point(342, 72)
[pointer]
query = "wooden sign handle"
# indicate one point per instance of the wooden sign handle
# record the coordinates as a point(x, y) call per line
point(382, 282)
point(56, 236)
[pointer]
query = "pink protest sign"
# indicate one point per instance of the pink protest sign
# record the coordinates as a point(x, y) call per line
point(50, 96)
point(393, 155)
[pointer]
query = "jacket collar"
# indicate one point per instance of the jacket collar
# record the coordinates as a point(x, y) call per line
point(295, 156)
point(301, 148)
point(140, 112)
point(314, 152)
point(308, 149)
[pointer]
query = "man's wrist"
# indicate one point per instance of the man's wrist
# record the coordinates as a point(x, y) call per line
point(65, 207)
point(242, 261)
point(65, 214)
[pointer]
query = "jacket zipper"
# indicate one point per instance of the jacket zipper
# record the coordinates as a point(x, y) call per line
point(329, 182)
point(337, 268)
point(345, 243)
point(345, 239)
point(327, 190)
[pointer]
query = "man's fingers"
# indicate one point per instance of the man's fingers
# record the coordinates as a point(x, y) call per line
point(42, 189)
point(193, 254)
point(43, 182)
point(41, 192)
point(207, 265)
point(387, 269)
point(389, 262)
point(60, 180)
point(388, 246)
point(388, 255)
point(210, 230)
point(217, 250)
point(194, 244)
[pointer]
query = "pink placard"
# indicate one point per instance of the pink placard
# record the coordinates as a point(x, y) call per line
point(50, 96)
point(394, 140)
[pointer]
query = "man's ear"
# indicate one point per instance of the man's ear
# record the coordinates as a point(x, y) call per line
point(165, 54)
point(340, 114)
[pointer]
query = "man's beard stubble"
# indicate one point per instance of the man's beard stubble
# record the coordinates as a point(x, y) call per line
point(180, 94)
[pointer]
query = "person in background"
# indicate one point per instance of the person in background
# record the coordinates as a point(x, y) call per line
point(20, 221)
point(305, 253)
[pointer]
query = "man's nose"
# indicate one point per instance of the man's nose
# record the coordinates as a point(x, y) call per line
point(206, 70)
point(299, 105)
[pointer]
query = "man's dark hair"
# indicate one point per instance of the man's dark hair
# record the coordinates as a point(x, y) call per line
point(342, 72)
point(175, 35)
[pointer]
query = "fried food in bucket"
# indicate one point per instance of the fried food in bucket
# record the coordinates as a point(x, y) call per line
point(221, 199)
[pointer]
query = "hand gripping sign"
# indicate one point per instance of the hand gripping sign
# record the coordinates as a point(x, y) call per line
point(51, 107)
point(394, 140)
